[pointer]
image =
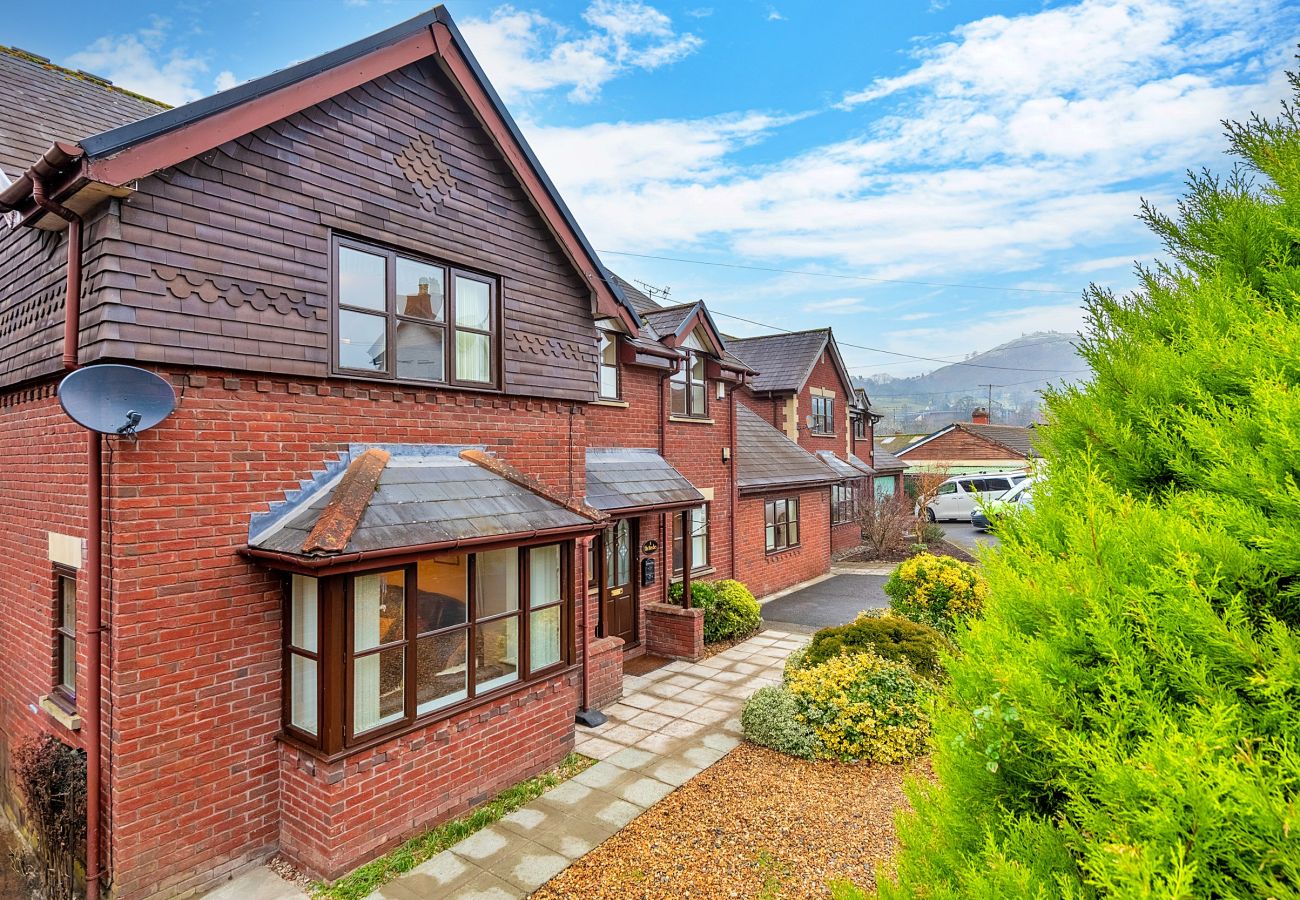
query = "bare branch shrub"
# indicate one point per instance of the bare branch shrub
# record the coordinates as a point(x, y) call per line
point(924, 484)
point(885, 524)
point(52, 778)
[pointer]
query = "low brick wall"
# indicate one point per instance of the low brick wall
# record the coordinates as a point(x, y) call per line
point(845, 537)
point(606, 676)
point(674, 632)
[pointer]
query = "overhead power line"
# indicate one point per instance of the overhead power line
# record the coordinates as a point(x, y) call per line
point(894, 352)
point(840, 275)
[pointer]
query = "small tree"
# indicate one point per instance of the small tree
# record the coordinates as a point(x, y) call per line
point(52, 778)
point(885, 522)
point(925, 484)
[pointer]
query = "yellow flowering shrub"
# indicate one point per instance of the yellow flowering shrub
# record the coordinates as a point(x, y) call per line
point(860, 706)
point(938, 591)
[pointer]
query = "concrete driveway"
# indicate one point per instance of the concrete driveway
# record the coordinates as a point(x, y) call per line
point(966, 536)
point(834, 601)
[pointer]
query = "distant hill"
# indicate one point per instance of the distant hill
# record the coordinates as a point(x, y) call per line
point(950, 393)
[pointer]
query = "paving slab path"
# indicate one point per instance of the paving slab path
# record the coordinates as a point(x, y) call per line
point(671, 724)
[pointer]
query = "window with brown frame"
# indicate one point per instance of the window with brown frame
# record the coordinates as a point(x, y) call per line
point(607, 367)
point(781, 523)
point(823, 415)
point(405, 318)
point(688, 388)
point(421, 640)
point(845, 498)
point(699, 530)
point(65, 637)
point(860, 427)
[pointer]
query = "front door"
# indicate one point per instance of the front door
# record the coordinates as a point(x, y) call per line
point(617, 590)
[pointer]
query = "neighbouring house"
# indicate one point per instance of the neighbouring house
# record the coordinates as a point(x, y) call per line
point(965, 447)
point(803, 390)
point(431, 470)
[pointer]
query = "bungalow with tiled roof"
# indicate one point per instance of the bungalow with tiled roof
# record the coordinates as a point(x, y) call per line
point(974, 446)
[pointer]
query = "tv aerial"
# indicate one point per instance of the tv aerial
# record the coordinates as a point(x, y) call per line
point(116, 399)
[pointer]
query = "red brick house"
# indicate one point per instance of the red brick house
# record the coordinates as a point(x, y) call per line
point(430, 471)
point(803, 390)
point(974, 446)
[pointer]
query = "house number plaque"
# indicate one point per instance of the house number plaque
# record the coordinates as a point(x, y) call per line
point(650, 547)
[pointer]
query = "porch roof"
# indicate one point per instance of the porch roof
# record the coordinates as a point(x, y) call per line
point(858, 462)
point(625, 479)
point(385, 499)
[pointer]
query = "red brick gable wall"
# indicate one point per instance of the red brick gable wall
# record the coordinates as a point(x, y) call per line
point(958, 444)
point(196, 648)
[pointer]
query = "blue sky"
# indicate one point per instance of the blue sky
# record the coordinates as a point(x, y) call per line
point(990, 154)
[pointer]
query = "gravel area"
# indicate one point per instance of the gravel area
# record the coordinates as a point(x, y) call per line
point(757, 823)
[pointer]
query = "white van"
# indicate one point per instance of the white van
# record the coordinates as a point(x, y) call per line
point(960, 495)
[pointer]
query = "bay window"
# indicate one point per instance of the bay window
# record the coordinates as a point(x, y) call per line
point(374, 653)
point(404, 318)
point(781, 523)
point(845, 498)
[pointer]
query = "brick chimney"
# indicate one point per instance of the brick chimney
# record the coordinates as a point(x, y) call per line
point(980, 416)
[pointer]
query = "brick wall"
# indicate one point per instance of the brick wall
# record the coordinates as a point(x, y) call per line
point(675, 632)
point(605, 680)
point(846, 537)
point(767, 573)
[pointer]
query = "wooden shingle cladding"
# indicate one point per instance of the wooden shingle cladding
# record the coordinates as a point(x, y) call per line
point(225, 259)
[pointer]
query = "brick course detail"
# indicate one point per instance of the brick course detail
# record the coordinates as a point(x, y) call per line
point(675, 632)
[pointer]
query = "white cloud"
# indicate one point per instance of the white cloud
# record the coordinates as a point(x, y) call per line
point(774, 15)
point(225, 80)
point(524, 52)
point(141, 63)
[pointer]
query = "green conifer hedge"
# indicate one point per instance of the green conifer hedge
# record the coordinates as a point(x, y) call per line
point(1125, 720)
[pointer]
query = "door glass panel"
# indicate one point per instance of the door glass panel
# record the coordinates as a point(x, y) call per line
point(623, 532)
point(440, 666)
point(362, 341)
point(496, 660)
point(419, 290)
point(498, 582)
point(473, 304)
point(361, 279)
point(419, 351)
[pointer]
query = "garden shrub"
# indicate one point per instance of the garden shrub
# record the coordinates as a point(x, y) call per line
point(771, 719)
point(730, 610)
point(938, 591)
point(52, 779)
point(1122, 720)
point(891, 637)
point(862, 707)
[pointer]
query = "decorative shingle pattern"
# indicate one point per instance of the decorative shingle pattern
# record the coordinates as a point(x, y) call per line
point(783, 361)
point(627, 479)
point(767, 458)
point(41, 103)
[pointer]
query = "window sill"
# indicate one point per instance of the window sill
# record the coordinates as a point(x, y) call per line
point(56, 711)
point(695, 573)
point(771, 553)
point(690, 420)
point(823, 434)
point(396, 732)
point(617, 404)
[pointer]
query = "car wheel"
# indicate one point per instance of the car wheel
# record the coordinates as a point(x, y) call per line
point(929, 515)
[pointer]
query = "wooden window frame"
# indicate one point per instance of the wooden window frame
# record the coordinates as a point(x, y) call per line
point(447, 325)
point(335, 737)
point(64, 697)
point(601, 365)
point(683, 377)
point(845, 498)
point(823, 422)
point(860, 428)
point(772, 530)
point(677, 529)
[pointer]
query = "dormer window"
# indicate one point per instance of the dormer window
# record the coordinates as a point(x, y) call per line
point(405, 318)
point(607, 365)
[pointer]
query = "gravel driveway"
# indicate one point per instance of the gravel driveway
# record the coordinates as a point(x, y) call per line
point(835, 601)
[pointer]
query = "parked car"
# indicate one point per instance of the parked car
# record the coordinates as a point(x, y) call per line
point(1019, 497)
point(960, 495)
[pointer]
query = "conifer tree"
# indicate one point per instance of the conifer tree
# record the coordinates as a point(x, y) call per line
point(1125, 720)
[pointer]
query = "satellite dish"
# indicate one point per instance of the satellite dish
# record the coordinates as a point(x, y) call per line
point(113, 399)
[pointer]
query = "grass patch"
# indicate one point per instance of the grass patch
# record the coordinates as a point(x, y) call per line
point(362, 881)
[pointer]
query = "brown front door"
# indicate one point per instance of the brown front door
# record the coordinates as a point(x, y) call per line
point(617, 587)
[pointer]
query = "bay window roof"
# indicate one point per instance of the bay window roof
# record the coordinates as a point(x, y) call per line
point(387, 499)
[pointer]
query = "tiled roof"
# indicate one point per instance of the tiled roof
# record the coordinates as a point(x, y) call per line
point(426, 494)
point(842, 468)
point(884, 461)
point(41, 103)
point(667, 320)
point(858, 462)
point(1016, 438)
point(767, 458)
point(637, 297)
point(783, 361)
point(627, 479)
